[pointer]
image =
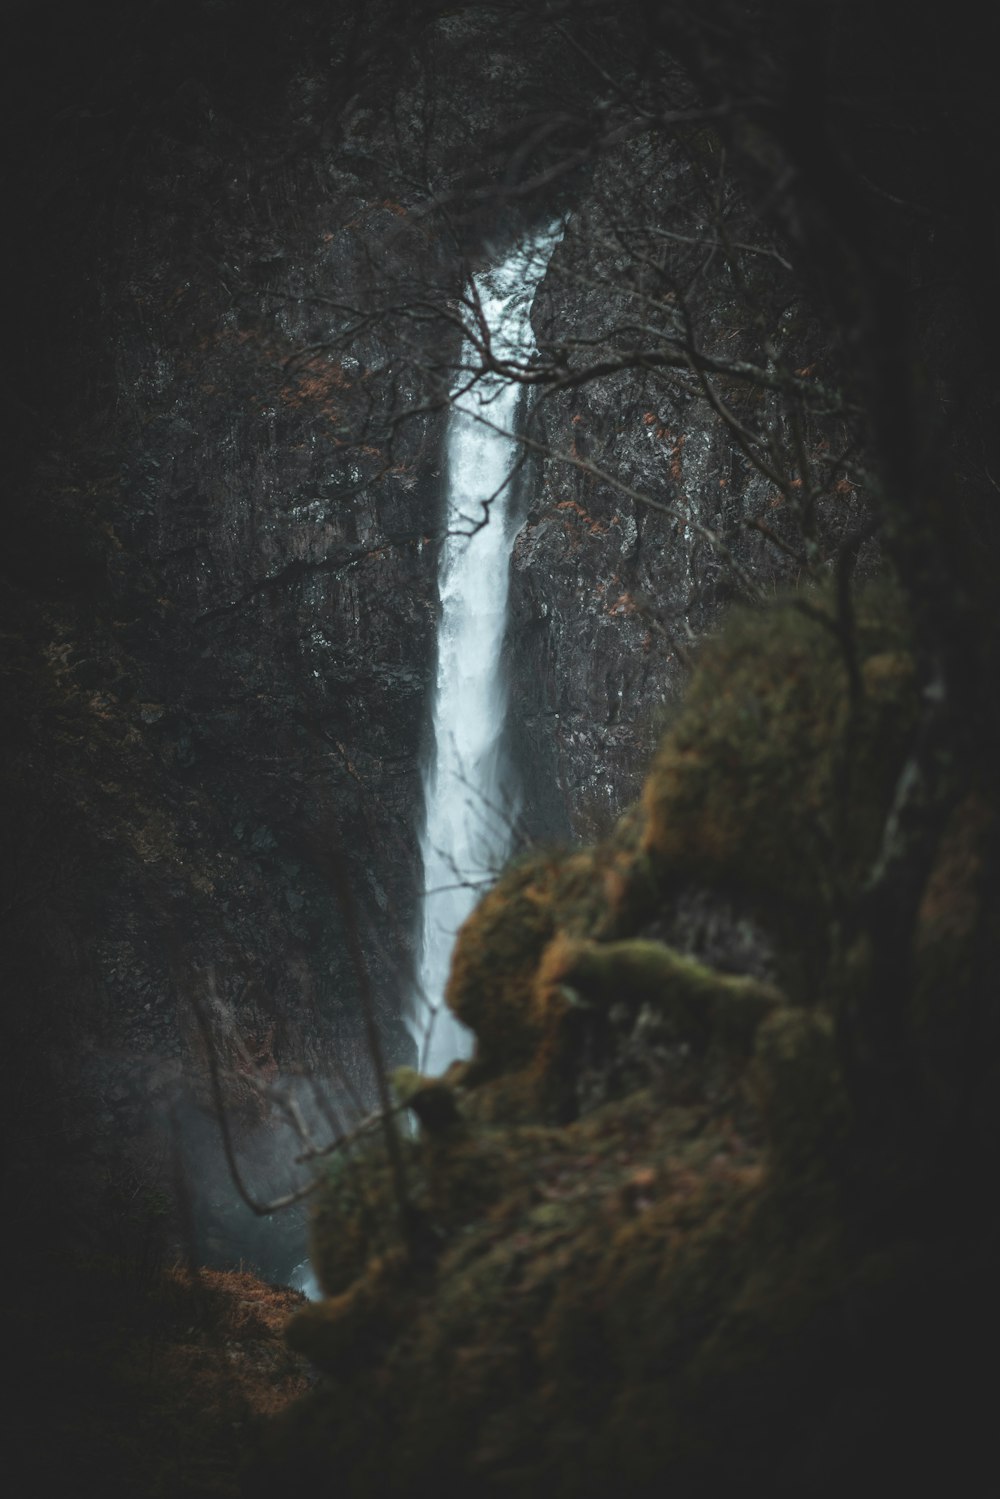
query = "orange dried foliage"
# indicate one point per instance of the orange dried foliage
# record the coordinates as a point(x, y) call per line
point(571, 507)
point(624, 604)
point(315, 384)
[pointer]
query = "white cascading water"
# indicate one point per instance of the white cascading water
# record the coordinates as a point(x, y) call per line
point(468, 811)
point(468, 808)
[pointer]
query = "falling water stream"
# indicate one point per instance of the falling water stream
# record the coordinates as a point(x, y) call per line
point(469, 804)
point(468, 801)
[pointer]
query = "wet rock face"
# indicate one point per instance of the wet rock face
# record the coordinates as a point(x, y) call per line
point(647, 516)
point(222, 559)
point(226, 623)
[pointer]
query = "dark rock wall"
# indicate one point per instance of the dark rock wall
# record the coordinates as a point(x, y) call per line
point(223, 618)
point(220, 597)
point(220, 602)
point(642, 521)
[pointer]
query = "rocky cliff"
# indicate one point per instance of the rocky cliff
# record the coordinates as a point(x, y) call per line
point(751, 1020)
point(238, 248)
point(672, 1227)
point(225, 630)
point(221, 558)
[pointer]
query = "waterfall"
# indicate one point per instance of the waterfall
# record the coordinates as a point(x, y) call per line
point(468, 806)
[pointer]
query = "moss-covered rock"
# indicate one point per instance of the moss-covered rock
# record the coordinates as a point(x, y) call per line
point(640, 1250)
point(491, 988)
point(599, 892)
point(624, 1012)
point(775, 779)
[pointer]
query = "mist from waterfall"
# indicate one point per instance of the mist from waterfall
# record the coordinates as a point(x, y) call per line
point(469, 800)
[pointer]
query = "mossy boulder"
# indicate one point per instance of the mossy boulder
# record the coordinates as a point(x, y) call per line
point(775, 779)
point(601, 892)
point(648, 1239)
point(491, 986)
point(624, 1012)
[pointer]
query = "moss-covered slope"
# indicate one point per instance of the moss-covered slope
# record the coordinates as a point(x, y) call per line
point(654, 1237)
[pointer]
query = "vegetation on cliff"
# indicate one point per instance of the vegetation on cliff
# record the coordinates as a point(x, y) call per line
point(703, 1210)
point(650, 1237)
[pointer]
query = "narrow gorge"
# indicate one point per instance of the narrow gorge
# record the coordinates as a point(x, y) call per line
point(500, 814)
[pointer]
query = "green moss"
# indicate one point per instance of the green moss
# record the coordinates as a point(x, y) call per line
point(695, 1001)
point(491, 986)
point(635, 1008)
point(677, 1290)
point(432, 1101)
point(774, 780)
point(342, 1334)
